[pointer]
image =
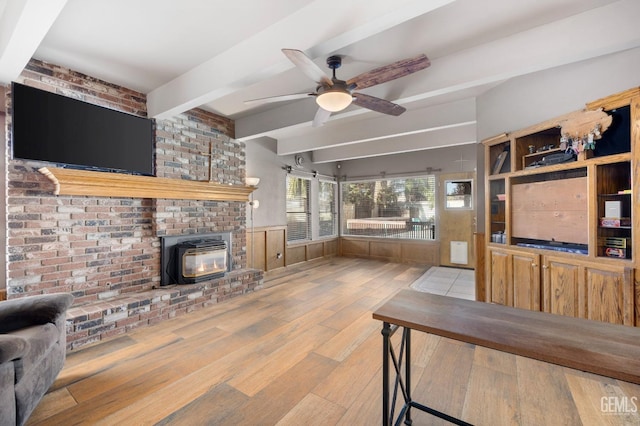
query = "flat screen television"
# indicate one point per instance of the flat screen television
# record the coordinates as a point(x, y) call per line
point(72, 133)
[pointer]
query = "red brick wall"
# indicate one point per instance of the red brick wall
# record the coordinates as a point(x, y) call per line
point(99, 247)
point(183, 145)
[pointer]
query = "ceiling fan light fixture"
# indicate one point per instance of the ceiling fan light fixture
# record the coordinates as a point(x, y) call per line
point(334, 100)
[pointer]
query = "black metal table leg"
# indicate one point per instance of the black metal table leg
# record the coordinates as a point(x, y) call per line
point(406, 335)
point(386, 337)
point(400, 383)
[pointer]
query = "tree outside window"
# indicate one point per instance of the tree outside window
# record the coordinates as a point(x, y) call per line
point(392, 208)
point(459, 194)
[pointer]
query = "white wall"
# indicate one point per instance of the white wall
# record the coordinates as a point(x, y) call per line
point(533, 98)
point(263, 162)
point(451, 159)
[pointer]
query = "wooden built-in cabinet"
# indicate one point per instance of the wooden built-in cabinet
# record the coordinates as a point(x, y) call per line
point(526, 280)
point(547, 245)
point(609, 294)
point(586, 290)
point(560, 285)
point(499, 282)
point(514, 278)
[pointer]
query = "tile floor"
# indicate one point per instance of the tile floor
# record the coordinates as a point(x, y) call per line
point(446, 281)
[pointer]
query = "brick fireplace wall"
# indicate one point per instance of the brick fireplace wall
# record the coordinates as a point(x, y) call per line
point(105, 250)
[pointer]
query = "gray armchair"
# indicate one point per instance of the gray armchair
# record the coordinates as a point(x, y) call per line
point(32, 352)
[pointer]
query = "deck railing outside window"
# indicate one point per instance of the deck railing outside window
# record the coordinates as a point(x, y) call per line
point(390, 208)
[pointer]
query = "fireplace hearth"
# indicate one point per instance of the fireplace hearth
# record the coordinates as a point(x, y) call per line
point(189, 259)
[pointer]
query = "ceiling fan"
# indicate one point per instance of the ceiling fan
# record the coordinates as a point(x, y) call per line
point(334, 95)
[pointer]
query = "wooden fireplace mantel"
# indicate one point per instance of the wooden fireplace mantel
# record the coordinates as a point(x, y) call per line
point(104, 184)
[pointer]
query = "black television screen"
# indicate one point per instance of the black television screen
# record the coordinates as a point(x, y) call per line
point(55, 128)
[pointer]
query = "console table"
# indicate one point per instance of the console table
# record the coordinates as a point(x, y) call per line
point(605, 349)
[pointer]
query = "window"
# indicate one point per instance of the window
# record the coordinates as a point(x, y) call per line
point(327, 208)
point(298, 209)
point(458, 194)
point(390, 208)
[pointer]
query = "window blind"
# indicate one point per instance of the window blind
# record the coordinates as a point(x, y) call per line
point(298, 209)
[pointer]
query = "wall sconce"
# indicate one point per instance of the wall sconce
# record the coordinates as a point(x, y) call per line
point(253, 181)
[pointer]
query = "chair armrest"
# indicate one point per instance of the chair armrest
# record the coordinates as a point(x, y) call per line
point(33, 310)
point(11, 347)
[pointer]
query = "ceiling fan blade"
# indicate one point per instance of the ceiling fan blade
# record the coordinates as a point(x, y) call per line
point(307, 66)
point(322, 115)
point(390, 72)
point(377, 104)
point(280, 98)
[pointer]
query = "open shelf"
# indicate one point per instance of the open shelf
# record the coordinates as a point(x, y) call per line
point(614, 241)
point(533, 147)
point(497, 218)
point(529, 159)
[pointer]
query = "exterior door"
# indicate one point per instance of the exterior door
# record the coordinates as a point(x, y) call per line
point(456, 224)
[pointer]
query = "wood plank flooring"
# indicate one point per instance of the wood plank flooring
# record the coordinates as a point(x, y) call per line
point(305, 351)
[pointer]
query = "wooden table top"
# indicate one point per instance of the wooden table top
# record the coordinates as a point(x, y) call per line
point(597, 347)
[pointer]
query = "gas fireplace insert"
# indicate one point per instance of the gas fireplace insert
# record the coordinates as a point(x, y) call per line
point(189, 259)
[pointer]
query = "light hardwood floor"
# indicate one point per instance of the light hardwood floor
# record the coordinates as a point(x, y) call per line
point(305, 351)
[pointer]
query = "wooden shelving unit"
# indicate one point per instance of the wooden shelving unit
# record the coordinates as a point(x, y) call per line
point(104, 184)
point(545, 246)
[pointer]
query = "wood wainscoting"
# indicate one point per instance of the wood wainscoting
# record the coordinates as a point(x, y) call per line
point(267, 248)
point(392, 250)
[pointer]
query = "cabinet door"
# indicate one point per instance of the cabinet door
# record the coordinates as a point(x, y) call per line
point(526, 281)
point(609, 294)
point(499, 278)
point(563, 287)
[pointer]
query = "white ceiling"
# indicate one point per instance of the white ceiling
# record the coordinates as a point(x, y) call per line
point(215, 54)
